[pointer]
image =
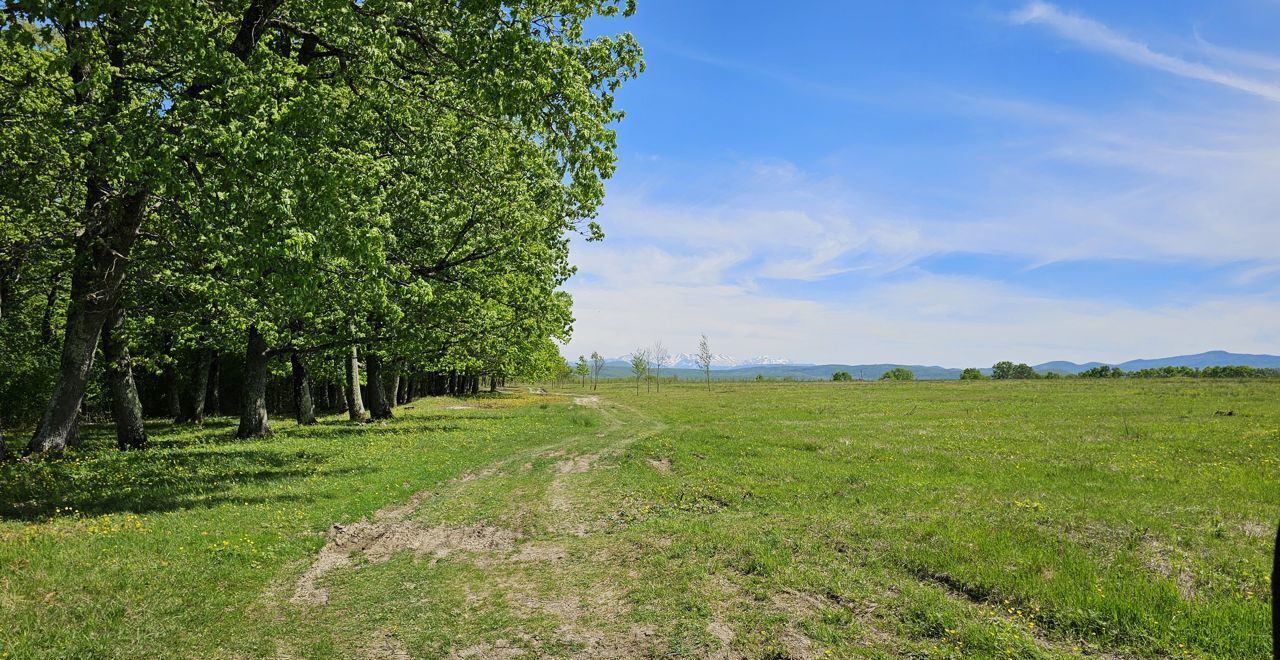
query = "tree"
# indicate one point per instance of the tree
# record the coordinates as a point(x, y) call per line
point(971, 373)
point(597, 364)
point(582, 370)
point(126, 409)
point(898, 373)
point(1007, 370)
point(660, 355)
point(312, 162)
point(1103, 371)
point(639, 365)
point(841, 376)
point(705, 357)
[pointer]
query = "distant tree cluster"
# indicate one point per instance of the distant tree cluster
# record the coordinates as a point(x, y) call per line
point(1007, 370)
point(841, 376)
point(1103, 371)
point(972, 373)
point(898, 373)
point(1229, 371)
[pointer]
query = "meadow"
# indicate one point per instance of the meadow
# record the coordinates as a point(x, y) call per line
point(1113, 518)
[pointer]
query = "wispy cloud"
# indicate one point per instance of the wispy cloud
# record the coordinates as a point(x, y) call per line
point(1237, 57)
point(1097, 36)
point(953, 321)
point(855, 255)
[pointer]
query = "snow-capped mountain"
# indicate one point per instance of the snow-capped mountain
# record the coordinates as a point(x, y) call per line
point(763, 360)
point(690, 361)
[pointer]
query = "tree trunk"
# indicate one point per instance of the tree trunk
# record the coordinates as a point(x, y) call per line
point(253, 415)
point(172, 395)
point(126, 408)
point(355, 405)
point(100, 262)
point(198, 387)
point(213, 402)
point(337, 400)
point(305, 412)
point(379, 408)
point(493, 384)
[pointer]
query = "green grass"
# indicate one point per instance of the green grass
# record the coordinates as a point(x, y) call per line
point(947, 519)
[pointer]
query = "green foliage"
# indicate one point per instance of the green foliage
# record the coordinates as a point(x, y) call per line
point(405, 176)
point(640, 365)
point(1102, 371)
point(898, 373)
point(1009, 371)
point(841, 376)
point(1228, 371)
point(971, 373)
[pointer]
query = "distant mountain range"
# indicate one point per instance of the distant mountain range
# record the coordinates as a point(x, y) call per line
point(724, 367)
point(718, 361)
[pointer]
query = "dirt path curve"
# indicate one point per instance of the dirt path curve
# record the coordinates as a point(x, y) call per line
point(590, 621)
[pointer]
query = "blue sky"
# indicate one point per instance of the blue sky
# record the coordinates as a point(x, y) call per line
point(948, 183)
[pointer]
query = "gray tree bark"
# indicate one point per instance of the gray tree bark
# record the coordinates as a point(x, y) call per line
point(126, 408)
point(172, 392)
point(379, 406)
point(253, 415)
point(102, 253)
point(304, 409)
point(213, 403)
point(197, 388)
point(355, 405)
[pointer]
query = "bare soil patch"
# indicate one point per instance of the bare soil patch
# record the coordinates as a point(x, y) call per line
point(387, 534)
point(540, 552)
point(384, 646)
point(577, 464)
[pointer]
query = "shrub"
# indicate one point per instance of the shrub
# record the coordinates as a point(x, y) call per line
point(898, 373)
point(971, 373)
point(1007, 370)
point(1104, 371)
point(841, 376)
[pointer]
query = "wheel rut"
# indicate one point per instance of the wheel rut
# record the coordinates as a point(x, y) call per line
point(590, 619)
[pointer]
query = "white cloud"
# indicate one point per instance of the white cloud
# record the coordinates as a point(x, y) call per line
point(1096, 36)
point(1236, 57)
point(777, 259)
point(930, 320)
point(671, 271)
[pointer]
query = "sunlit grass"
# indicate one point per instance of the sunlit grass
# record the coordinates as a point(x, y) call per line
point(1033, 519)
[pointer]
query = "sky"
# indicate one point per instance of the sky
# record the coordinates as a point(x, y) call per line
point(949, 182)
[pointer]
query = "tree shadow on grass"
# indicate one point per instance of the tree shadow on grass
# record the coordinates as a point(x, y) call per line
point(180, 473)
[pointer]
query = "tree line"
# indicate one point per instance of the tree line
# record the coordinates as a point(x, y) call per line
point(1225, 371)
point(277, 205)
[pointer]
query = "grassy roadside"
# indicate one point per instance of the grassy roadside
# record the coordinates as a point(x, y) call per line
point(1046, 519)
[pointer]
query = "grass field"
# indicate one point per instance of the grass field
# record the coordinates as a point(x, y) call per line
point(927, 519)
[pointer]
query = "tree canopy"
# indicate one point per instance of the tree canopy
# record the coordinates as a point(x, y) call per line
point(235, 184)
